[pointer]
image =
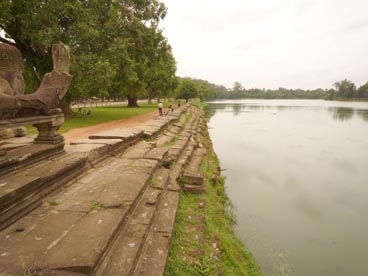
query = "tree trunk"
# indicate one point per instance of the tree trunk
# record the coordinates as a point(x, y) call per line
point(132, 102)
point(66, 107)
point(149, 100)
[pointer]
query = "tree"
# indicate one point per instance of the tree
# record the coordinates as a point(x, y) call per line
point(114, 44)
point(345, 89)
point(363, 91)
point(186, 90)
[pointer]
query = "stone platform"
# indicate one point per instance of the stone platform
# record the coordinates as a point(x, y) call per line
point(106, 206)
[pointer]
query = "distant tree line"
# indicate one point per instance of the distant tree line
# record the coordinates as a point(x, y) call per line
point(342, 90)
point(117, 47)
point(197, 88)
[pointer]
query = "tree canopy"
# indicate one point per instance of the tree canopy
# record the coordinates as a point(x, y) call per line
point(117, 47)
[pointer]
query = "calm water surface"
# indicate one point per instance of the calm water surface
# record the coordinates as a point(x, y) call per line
point(297, 174)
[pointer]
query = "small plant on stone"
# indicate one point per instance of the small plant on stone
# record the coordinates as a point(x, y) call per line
point(97, 206)
point(53, 203)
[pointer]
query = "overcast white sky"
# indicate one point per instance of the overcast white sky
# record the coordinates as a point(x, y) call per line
point(270, 43)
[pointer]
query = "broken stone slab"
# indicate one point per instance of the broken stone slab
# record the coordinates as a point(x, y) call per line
point(139, 150)
point(93, 152)
point(173, 154)
point(194, 189)
point(194, 178)
point(151, 196)
point(149, 131)
point(118, 133)
point(160, 178)
point(158, 154)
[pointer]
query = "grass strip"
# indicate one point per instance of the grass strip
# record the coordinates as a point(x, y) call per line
point(204, 242)
point(100, 115)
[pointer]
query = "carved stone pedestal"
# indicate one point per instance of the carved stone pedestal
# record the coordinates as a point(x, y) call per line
point(48, 131)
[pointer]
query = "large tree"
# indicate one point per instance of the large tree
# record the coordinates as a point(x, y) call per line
point(186, 89)
point(345, 89)
point(363, 91)
point(113, 43)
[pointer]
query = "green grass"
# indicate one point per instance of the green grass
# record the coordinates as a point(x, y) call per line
point(53, 203)
point(98, 206)
point(198, 229)
point(101, 115)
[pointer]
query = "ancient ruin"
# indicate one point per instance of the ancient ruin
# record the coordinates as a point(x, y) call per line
point(107, 205)
point(39, 109)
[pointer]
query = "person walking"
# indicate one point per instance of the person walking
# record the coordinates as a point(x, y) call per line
point(160, 106)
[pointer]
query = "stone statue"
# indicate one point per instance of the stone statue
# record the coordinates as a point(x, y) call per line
point(11, 70)
point(40, 108)
point(45, 101)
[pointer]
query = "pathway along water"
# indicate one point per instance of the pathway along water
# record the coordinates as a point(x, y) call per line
point(296, 172)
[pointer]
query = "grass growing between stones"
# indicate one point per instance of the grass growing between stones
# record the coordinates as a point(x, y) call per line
point(203, 241)
point(177, 136)
point(100, 115)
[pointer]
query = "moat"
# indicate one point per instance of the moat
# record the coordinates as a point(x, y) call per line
point(296, 174)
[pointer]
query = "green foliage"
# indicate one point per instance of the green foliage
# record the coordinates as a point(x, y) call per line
point(117, 48)
point(363, 91)
point(53, 203)
point(97, 206)
point(186, 90)
point(198, 229)
point(345, 89)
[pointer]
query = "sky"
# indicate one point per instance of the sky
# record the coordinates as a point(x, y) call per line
point(270, 43)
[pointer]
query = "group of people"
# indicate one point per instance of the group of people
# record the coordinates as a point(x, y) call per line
point(170, 109)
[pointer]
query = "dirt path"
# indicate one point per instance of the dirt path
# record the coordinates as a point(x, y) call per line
point(84, 132)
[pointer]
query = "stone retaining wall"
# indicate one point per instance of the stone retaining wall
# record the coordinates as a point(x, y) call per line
point(106, 206)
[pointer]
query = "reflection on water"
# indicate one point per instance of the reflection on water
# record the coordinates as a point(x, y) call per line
point(337, 113)
point(342, 113)
point(296, 174)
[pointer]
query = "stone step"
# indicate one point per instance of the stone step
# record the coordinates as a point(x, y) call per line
point(164, 139)
point(177, 170)
point(91, 212)
point(160, 178)
point(27, 156)
point(20, 190)
point(192, 174)
point(194, 189)
point(159, 154)
point(122, 256)
point(118, 208)
point(152, 260)
point(139, 150)
point(176, 149)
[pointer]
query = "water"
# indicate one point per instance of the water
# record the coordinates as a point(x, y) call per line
point(297, 174)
